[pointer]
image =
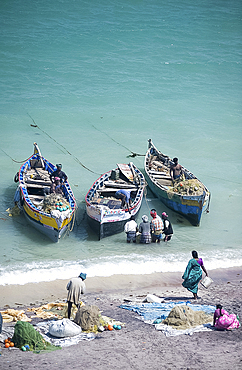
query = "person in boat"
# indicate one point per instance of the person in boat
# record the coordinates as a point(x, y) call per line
point(56, 187)
point(175, 170)
point(131, 229)
point(167, 228)
point(144, 229)
point(58, 173)
point(222, 320)
point(75, 287)
point(124, 195)
point(193, 274)
point(156, 226)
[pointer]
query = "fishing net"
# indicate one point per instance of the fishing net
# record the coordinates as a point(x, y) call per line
point(89, 318)
point(55, 201)
point(24, 333)
point(188, 187)
point(183, 317)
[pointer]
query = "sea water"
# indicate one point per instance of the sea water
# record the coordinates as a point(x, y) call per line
point(100, 78)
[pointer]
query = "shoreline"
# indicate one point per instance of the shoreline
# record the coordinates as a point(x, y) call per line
point(156, 283)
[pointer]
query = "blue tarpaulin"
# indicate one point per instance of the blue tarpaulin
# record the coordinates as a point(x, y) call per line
point(153, 311)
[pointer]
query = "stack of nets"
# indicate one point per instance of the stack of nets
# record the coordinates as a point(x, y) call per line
point(188, 187)
point(24, 333)
point(183, 317)
point(55, 201)
point(89, 318)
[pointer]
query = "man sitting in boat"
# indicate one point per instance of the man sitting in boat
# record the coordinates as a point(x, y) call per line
point(124, 195)
point(156, 226)
point(56, 186)
point(175, 170)
point(58, 173)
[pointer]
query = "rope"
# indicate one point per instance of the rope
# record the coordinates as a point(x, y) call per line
point(12, 158)
point(75, 158)
point(131, 155)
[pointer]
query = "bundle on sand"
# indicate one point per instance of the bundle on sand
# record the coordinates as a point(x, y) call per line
point(88, 317)
point(183, 317)
point(10, 315)
point(24, 333)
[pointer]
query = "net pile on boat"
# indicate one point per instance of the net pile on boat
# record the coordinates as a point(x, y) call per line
point(188, 187)
point(182, 317)
point(53, 202)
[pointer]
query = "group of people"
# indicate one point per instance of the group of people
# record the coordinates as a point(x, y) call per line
point(222, 320)
point(149, 231)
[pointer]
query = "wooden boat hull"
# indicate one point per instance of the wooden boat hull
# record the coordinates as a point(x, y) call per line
point(189, 206)
point(105, 216)
point(53, 226)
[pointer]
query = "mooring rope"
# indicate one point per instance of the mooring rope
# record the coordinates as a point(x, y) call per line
point(75, 158)
point(131, 155)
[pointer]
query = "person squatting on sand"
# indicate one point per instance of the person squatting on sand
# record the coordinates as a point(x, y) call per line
point(75, 287)
point(131, 229)
point(222, 320)
point(193, 274)
point(156, 226)
point(144, 229)
point(167, 229)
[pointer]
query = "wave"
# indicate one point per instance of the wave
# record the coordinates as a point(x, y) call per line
point(108, 266)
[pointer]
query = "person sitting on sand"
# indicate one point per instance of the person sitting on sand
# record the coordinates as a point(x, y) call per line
point(222, 320)
point(193, 274)
point(75, 287)
point(144, 229)
point(131, 229)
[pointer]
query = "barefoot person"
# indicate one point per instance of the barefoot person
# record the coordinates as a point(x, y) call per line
point(75, 287)
point(193, 274)
point(175, 170)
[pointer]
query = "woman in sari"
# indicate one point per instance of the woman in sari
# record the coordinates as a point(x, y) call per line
point(222, 320)
point(193, 274)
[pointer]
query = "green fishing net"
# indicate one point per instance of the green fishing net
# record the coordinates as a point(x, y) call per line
point(24, 333)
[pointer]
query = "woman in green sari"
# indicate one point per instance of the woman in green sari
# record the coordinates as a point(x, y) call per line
point(193, 274)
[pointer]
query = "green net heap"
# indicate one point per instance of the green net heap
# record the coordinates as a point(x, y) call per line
point(25, 333)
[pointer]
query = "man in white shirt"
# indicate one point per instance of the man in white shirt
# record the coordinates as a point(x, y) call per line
point(131, 228)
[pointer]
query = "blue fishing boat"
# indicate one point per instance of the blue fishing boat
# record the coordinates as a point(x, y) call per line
point(105, 213)
point(188, 196)
point(51, 214)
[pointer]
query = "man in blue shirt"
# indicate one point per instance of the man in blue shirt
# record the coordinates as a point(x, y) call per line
point(124, 195)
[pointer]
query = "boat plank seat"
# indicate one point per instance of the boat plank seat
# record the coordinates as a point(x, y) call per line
point(36, 185)
point(38, 182)
point(108, 190)
point(164, 182)
point(36, 198)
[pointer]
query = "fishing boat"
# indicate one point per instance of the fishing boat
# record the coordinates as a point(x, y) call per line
point(104, 211)
point(187, 195)
point(50, 213)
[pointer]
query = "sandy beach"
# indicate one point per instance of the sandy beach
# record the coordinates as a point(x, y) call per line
point(138, 345)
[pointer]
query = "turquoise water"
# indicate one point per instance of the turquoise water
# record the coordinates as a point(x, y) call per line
point(99, 79)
